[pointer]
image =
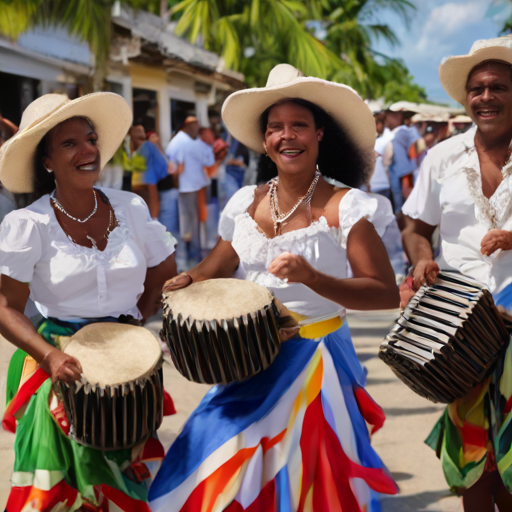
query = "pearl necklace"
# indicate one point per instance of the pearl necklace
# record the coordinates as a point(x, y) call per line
point(279, 218)
point(61, 208)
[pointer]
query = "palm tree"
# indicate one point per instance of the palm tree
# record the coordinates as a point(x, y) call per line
point(271, 31)
point(267, 32)
point(350, 30)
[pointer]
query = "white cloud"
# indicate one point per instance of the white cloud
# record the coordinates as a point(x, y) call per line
point(447, 21)
point(439, 28)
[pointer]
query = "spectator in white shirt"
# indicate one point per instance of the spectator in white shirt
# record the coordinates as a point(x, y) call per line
point(379, 182)
point(193, 158)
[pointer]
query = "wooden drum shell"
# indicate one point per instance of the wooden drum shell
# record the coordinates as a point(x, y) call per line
point(446, 341)
point(113, 417)
point(220, 352)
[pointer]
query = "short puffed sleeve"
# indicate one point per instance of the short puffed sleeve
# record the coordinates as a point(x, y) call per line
point(383, 216)
point(159, 245)
point(153, 239)
point(354, 206)
point(20, 245)
point(238, 204)
point(423, 203)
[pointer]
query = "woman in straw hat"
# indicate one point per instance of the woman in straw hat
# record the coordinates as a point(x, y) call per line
point(293, 436)
point(83, 255)
point(464, 187)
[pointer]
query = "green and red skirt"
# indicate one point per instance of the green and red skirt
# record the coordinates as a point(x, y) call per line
point(53, 472)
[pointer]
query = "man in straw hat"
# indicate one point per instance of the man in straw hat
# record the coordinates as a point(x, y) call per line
point(84, 256)
point(464, 188)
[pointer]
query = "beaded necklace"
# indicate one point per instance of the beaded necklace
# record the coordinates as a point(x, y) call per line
point(279, 218)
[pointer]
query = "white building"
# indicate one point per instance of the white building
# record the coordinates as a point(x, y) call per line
point(164, 77)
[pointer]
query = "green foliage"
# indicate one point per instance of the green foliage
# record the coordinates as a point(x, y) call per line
point(89, 20)
point(394, 83)
point(329, 39)
point(255, 35)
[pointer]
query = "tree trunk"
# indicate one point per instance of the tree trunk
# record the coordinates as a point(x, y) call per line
point(164, 10)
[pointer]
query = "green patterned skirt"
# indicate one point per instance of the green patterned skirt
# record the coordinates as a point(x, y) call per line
point(475, 433)
point(53, 472)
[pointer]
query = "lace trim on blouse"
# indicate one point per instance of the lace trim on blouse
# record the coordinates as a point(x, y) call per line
point(491, 212)
point(116, 241)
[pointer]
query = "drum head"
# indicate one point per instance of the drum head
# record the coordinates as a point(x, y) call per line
point(218, 299)
point(112, 353)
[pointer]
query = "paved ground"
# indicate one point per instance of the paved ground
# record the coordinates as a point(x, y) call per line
point(400, 443)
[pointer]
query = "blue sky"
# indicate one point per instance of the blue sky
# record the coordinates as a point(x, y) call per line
point(440, 28)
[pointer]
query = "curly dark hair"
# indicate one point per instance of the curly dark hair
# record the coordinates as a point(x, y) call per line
point(43, 182)
point(339, 157)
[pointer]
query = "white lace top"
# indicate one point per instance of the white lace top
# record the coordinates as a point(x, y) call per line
point(71, 282)
point(324, 247)
point(449, 194)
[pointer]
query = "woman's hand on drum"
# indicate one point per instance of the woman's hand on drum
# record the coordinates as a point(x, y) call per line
point(293, 269)
point(286, 333)
point(61, 366)
point(425, 272)
point(176, 283)
point(494, 240)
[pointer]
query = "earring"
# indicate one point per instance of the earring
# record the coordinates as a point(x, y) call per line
point(49, 170)
point(317, 168)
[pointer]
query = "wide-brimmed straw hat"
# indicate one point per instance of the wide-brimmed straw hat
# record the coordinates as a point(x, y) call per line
point(242, 110)
point(454, 71)
point(108, 112)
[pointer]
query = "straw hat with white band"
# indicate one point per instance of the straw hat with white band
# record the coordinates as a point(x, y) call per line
point(454, 71)
point(108, 112)
point(242, 110)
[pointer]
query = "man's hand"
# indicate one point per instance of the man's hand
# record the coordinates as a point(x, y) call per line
point(425, 272)
point(496, 239)
point(293, 268)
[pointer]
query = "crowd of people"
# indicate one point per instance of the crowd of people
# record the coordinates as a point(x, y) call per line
point(338, 188)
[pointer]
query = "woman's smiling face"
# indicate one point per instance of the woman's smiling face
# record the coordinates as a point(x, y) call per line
point(73, 154)
point(292, 138)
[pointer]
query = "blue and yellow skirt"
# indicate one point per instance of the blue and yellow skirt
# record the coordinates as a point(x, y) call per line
point(292, 438)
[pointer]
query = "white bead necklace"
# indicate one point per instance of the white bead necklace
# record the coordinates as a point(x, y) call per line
point(61, 208)
point(277, 217)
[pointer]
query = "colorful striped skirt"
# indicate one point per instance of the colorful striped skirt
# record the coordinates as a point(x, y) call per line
point(292, 438)
point(474, 434)
point(51, 471)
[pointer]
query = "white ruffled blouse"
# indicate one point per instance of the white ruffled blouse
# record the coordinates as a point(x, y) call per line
point(324, 247)
point(71, 282)
point(449, 194)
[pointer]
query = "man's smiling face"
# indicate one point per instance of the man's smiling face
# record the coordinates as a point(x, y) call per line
point(489, 97)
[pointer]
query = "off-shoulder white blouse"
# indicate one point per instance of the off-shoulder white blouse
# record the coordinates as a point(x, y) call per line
point(324, 247)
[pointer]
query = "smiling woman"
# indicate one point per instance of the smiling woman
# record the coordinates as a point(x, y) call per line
point(338, 156)
point(84, 256)
point(293, 437)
